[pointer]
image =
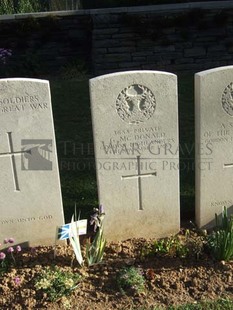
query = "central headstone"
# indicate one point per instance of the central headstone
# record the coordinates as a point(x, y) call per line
point(214, 144)
point(30, 194)
point(135, 124)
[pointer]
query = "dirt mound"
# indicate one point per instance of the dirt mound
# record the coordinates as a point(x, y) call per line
point(169, 280)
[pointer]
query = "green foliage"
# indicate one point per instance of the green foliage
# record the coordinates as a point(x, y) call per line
point(221, 304)
point(56, 283)
point(172, 246)
point(131, 280)
point(220, 241)
point(187, 244)
point(28, 6)
point(95, 249)
point(4, 266)
point(23, 6)
point(7, 7)
point(74, 240)
point(8, 255)
point(20, 6)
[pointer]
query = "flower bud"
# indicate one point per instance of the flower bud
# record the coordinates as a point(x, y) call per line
point(18, 248)
point(10, 249)
point(2, 256)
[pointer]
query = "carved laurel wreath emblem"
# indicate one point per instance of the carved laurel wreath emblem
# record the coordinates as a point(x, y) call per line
point(135, 104)
point(227, 99)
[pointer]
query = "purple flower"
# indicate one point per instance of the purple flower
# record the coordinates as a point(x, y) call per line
point(101, 209)
point(18, 248)
point(95, 221)
point(4, 54)
point(17, 280)
point(2, 256)
point(97, 217)
point(9, 240)
point(10, 249)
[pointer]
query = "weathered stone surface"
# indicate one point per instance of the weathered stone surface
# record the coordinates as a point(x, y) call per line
point(31, 204)
point(136, 147)
point(214, 143)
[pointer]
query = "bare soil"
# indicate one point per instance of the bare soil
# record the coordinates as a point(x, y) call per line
point(169, 280)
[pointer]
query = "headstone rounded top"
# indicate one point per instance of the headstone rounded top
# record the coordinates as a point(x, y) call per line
point(214, 70)
point(132, 72)
point(24, 80)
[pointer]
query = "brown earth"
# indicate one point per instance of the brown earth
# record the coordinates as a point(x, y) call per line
point(169, 280)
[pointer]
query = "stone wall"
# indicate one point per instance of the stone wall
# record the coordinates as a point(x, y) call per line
point(183, 38)
point(44, 44)
point(175, 38)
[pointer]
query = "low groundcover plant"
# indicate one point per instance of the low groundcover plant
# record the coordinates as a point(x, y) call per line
point(57, 283)
point(7, 256)
point(131, 280)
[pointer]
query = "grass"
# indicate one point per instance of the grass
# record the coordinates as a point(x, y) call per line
point(72, 118)
point(220, 304)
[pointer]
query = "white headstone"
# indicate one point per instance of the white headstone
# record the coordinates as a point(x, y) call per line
point(30, 194)
point(214, 143)
point(135, 125)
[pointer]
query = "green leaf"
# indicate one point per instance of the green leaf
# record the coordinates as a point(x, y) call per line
point(74, 240)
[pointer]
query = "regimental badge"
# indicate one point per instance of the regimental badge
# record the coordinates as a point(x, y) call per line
point(135, 104)
point(227, 99)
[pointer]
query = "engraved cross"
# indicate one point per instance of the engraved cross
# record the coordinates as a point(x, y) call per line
point(138, 176)
point(12, 155)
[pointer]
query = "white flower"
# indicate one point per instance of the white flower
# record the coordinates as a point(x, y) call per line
point(69, 283)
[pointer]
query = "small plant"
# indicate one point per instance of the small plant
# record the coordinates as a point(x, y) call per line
point(181, 249)
point(220, 241)
point(131, 280)
point(95, 249)
point(56, 283)
point(172, 246)
point(7, 257)
point(195, 243)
